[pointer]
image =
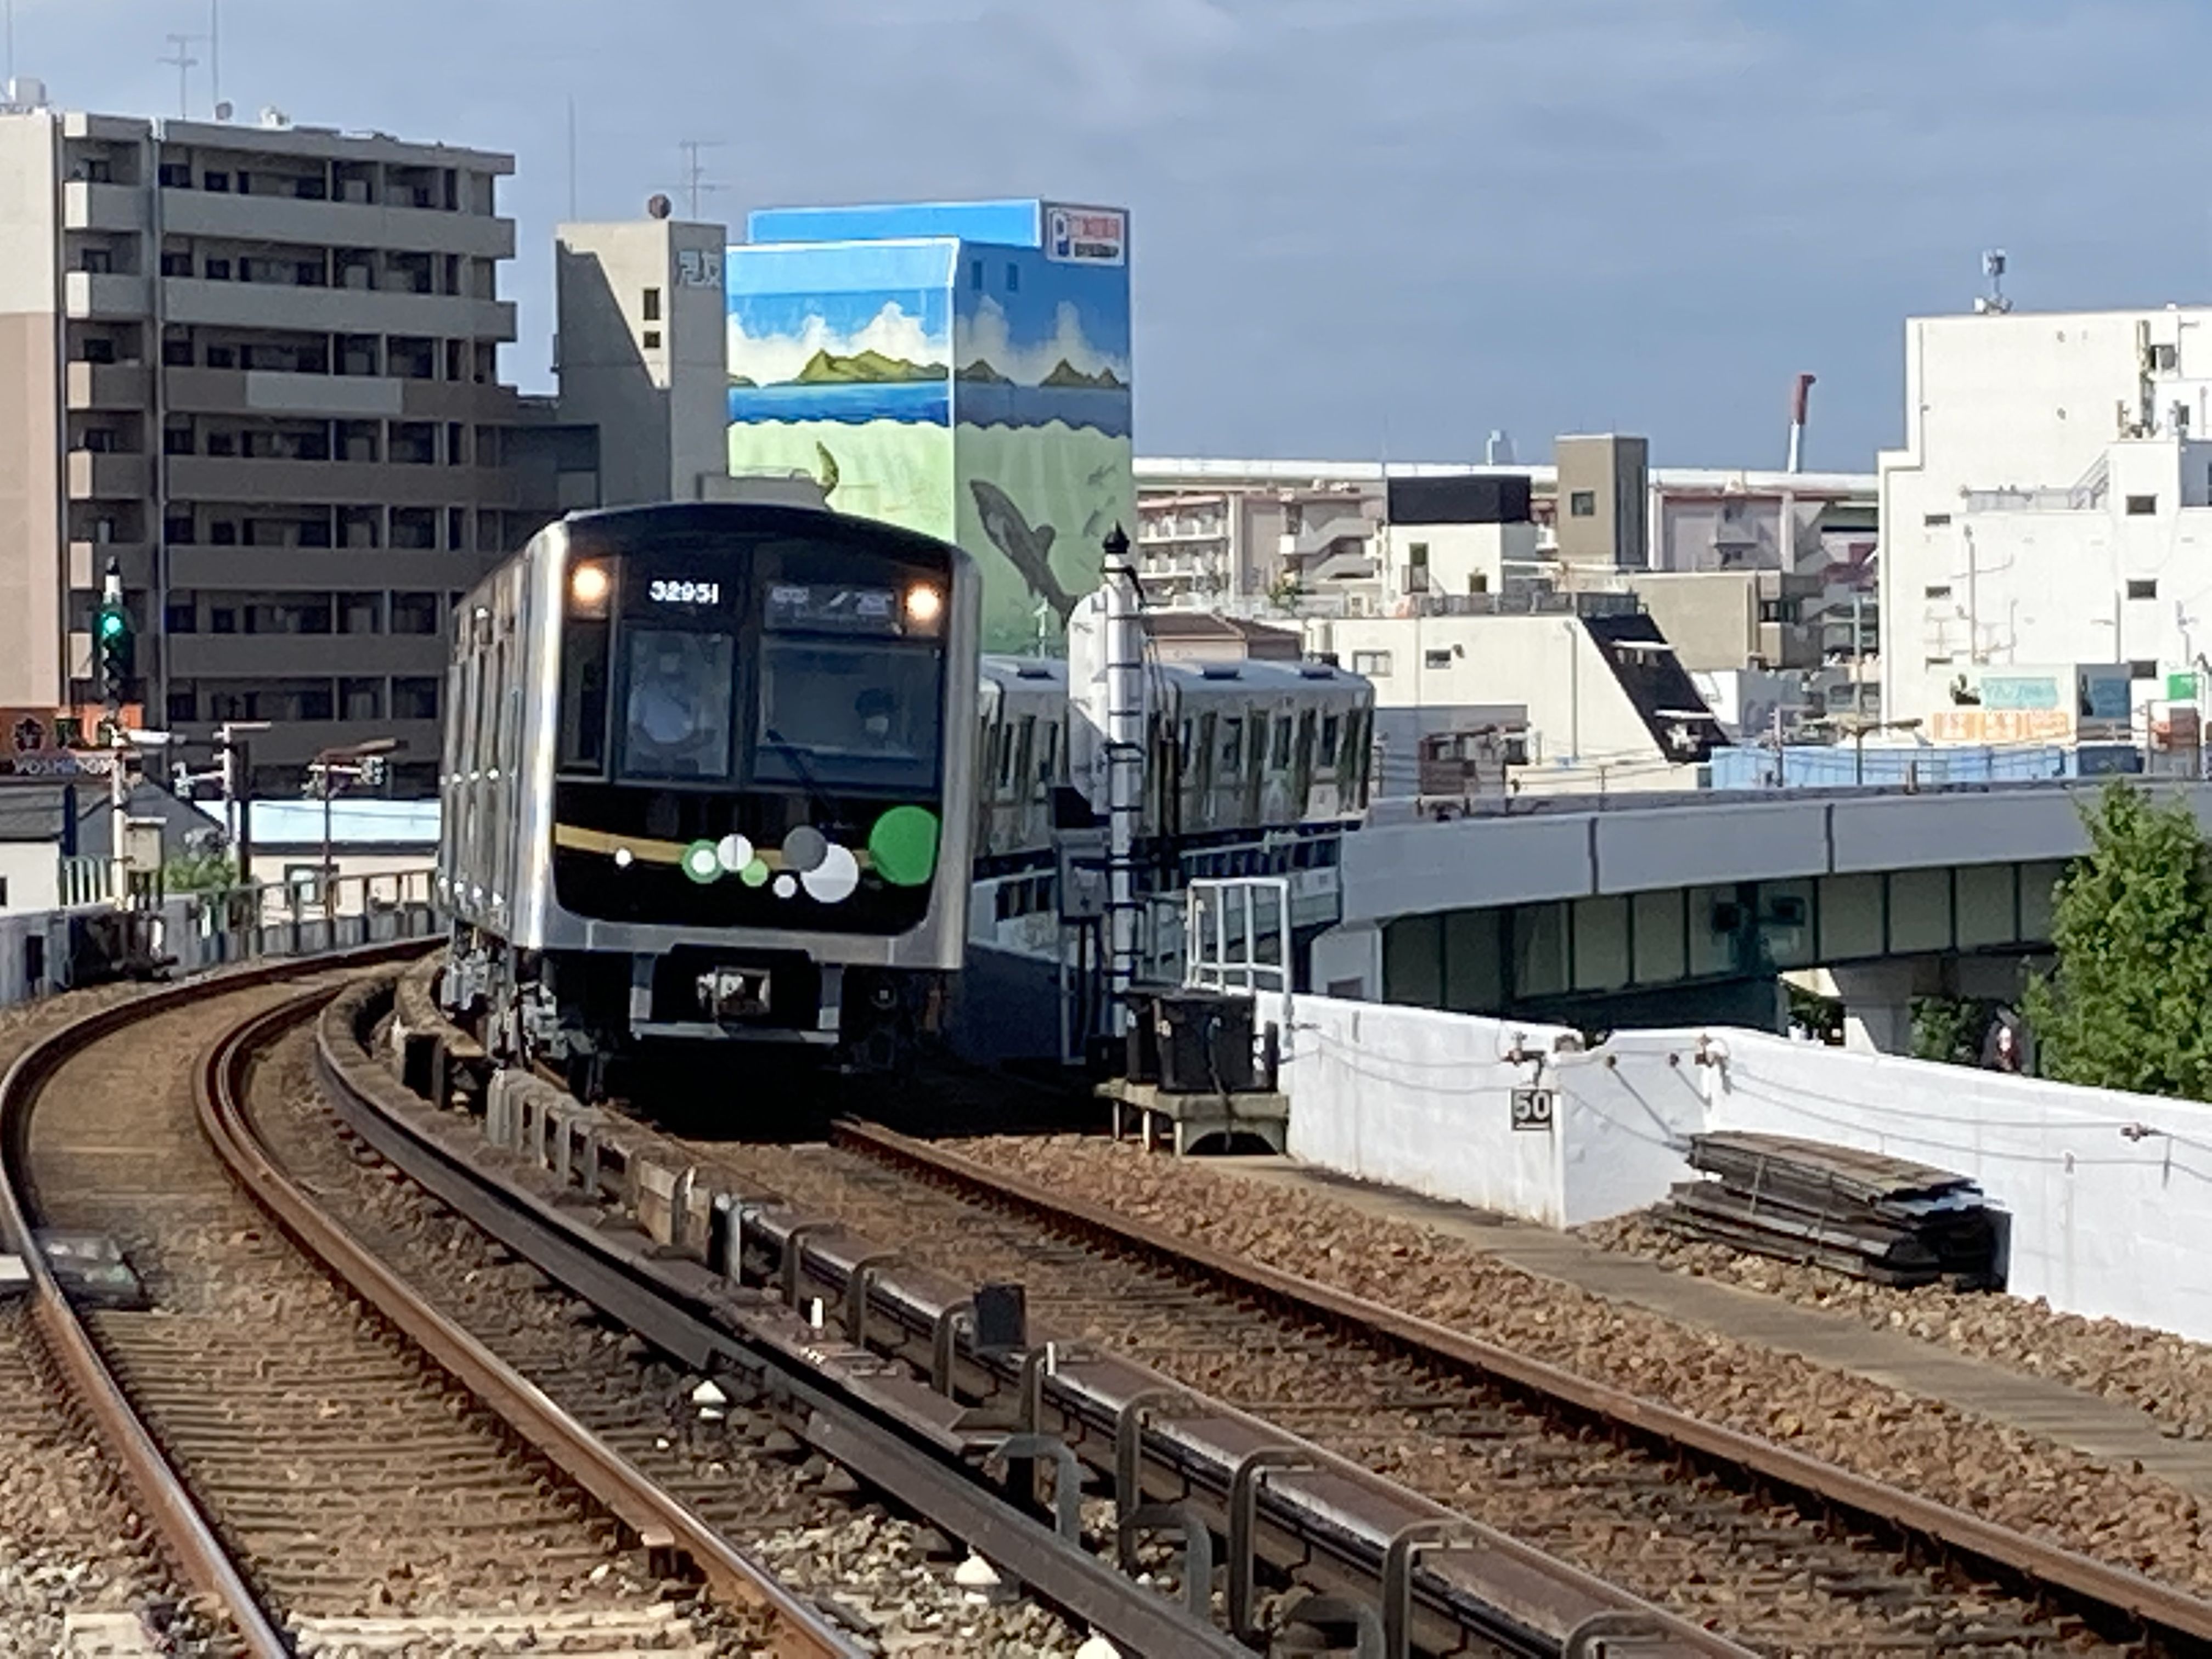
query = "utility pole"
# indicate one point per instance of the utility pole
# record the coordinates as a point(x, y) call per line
point(215, 59)
point(1125, 769)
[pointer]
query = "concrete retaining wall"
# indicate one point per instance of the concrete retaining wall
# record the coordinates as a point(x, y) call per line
point(2109, 1195)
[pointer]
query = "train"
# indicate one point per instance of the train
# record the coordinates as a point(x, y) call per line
point(723, 773)
point(707, 778)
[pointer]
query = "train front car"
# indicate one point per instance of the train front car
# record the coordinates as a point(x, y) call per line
point(744, 788)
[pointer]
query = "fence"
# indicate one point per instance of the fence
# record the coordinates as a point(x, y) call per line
point(49, 950)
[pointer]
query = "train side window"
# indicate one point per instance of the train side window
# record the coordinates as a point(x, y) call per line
point(1048, 770)
point(584, 699)
point(1332, 734)
point(1232, 747)
point(1020, 769)
point(1282, 730)
point(1203, 754)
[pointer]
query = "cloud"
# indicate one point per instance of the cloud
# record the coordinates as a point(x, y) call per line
point(985, 335)
point(770, 358)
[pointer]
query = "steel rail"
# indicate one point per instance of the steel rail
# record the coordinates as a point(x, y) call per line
point(658, 1520)
point(185, 1532)
point(2164, 1610)
point(712, 1325)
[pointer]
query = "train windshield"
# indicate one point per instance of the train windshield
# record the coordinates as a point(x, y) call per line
point(834, 714)
point(676, 718)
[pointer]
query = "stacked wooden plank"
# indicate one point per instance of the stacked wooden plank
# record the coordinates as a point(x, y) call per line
point(1865, 1214)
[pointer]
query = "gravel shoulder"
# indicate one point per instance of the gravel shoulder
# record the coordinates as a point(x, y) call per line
point(69, 1540)
point(2167, 1377)
point(2128, 1518)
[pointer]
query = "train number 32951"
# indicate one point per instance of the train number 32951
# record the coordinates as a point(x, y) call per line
point(673, 592)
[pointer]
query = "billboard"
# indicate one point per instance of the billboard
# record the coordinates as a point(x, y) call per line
point(840, 367)
point(975, 390)
point(2083, 703)
point(1040, 405)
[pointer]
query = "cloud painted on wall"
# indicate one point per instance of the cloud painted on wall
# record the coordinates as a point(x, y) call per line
point(985, 335)
point(774, 359)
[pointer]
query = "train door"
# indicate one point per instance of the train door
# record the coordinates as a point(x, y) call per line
point(1302, 767)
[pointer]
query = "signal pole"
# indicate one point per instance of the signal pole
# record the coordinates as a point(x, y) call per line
point(112, 660)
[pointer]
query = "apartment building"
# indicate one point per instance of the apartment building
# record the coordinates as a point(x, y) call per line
point(257, 367)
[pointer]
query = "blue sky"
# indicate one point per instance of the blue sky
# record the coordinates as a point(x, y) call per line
point(1360, 227)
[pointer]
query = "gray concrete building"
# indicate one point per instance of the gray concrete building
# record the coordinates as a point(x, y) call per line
point(257, 367)
point(643, 354)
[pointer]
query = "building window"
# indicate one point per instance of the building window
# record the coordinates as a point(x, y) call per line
point(975, 275)
point(1582, 504)
point(1419, 552)
point(2143, 590)
point(414, 613)
point(176, 175)
point(181, 616)
point(1787, 612)
point(652, 339)
point(1936, 521)
point(414, 699)
point(651, 308)
point(1438, 659)
point(1013, 277)
point(220, 181)
point(1936, 591)
point(2142, 506)
point(1374, 665)
point(183, 704)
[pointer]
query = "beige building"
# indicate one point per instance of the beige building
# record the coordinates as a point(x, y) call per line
point(256, 366)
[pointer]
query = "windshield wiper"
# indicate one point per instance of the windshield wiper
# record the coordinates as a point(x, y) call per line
point(807, 781)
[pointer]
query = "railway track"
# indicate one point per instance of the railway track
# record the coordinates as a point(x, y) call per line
point(330, 1468)
point(1782, 1550)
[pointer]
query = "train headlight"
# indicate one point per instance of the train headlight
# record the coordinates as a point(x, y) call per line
point(588, 588)
point(923, 605)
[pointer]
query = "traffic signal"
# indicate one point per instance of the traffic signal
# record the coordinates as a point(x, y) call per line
point(114, 648)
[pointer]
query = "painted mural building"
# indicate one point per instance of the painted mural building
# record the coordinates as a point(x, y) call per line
point(959, 369)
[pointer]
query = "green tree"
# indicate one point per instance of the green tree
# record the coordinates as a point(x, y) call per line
point(198, 872)
point(2128, 1005)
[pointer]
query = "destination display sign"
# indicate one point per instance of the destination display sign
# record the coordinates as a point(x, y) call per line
point(832, 608)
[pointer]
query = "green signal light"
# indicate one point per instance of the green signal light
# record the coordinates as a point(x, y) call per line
point(112, 622)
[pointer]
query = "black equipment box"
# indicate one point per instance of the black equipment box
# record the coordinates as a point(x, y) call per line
point(1204, 1043)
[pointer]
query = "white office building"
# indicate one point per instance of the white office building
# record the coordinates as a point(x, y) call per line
point(2050, 511)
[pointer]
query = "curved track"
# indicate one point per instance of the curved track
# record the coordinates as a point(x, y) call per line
point(326, 1458)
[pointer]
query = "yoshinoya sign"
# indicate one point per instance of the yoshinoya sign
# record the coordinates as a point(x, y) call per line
point(1086, 236)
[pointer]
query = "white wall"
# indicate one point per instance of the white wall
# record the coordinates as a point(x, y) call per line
point(1548, 664)
point(2109, 1196)
point(1418, 1099)
point(2106, 1222)
point(31, 871)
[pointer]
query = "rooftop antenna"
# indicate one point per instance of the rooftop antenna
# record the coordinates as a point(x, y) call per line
point(215, 57)
point(572, 158)
point(1800, 394)
point(695, 183)
point(181, 57)
point(11, 42)
point(1994, 303)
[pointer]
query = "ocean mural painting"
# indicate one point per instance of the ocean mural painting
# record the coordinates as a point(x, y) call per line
point(974, 384)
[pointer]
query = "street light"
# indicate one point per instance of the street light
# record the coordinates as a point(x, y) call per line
point(362, 761)
point(1859, 728)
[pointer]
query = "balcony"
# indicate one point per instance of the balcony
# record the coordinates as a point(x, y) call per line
point(102, 207)
point(269, 391)
point(335, 224)
point(304, 656)
point(88, 562)
point(96, 476)
point(321, 569)
point(222, 479)
point(101, 295)
point(202, 303)
point(107, 386)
